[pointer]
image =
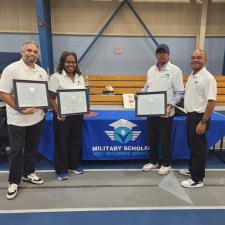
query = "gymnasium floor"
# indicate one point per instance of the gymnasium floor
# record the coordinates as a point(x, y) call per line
point(115, 192)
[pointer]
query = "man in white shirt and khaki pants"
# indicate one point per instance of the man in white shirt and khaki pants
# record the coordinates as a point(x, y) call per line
point(199, 102)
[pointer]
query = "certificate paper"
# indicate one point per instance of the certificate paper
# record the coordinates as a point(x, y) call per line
point(151, 104)
point(30, 94)
point(128, 101)
point(72, 101)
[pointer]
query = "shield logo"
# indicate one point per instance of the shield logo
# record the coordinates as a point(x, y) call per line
point(123, 134)
point(123, 131)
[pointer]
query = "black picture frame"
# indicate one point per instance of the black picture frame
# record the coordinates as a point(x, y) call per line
point(72, 91)
point(18, 94)
point(163, 94)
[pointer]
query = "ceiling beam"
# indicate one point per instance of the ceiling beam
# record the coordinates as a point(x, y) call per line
point(200, 40)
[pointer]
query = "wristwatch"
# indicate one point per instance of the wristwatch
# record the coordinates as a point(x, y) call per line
point(203, 121)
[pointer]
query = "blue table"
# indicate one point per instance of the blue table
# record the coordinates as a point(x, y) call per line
point(117, 135)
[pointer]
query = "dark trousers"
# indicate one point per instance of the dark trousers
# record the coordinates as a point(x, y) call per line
point(24, 142)
point(160, 130)
point(68, 142)
point(198, 146)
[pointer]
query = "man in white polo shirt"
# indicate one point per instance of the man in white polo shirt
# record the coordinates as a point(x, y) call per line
point(25, 126)
point(199, 102)
point(164, 76)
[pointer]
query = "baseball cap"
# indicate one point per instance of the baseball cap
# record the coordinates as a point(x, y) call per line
point(162, 47)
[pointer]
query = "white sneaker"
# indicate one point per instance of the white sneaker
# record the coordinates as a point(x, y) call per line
point(185, 172)
point(33, 178)
point(164, 170)
point(191, 184)
point(12, 191)
point(149, 166)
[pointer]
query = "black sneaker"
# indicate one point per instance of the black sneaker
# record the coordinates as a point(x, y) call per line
point(12, 191)
point(33, 178)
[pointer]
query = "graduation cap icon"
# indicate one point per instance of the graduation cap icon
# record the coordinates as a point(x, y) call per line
point(123, 131)
point(123, 123)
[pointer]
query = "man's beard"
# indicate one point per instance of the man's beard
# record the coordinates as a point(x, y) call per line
point(30, 60)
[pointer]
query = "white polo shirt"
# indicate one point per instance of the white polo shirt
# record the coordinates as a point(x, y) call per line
point(200, 88)
point(62, 81)
point(169, 79)
point(19, 70)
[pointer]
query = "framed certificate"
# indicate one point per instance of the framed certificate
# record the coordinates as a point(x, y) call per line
point(29, 94)
point(72, 102)
point(151, 104)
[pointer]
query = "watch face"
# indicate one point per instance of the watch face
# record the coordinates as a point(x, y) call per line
point(203, 121)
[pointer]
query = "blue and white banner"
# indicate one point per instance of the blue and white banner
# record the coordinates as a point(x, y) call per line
point(107, 138)
point(119, 135)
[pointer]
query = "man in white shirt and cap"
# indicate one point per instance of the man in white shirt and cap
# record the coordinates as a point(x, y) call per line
point(199, 102)
point(164, 76)
point(25, 126)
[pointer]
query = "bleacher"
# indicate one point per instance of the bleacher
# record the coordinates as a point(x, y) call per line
point(132, 84)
